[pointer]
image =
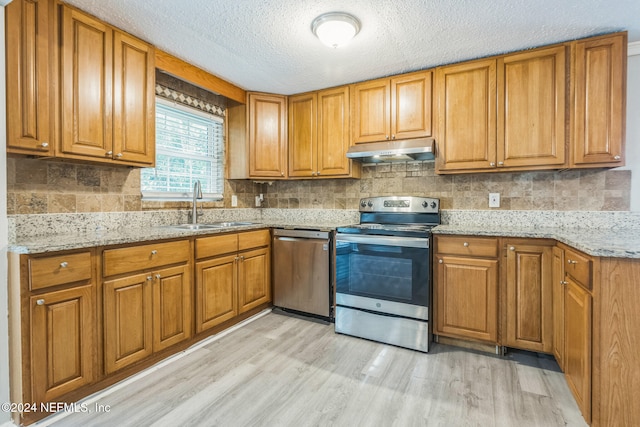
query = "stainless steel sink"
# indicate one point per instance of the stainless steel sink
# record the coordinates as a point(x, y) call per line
point(194, 226)
point(210, 226)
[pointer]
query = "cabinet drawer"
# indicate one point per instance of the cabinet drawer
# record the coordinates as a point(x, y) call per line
point(253, 239)
point(59, 269)
point(468, 246)
point(578, 266)
point(136, 258)
point(216, 245)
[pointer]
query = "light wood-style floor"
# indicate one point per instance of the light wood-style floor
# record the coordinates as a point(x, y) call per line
point(281, 370)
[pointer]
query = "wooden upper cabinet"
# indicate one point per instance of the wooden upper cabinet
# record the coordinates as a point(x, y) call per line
point(267, 135)
point(303, 135)
point(30, 77)
point(134, 100)
point(397, 108)
point(411, 110)
point(371, 109)
point(599, 121)
point(466, 131)
point(334, 136)
point(531, 109)
point(86, 85)
point(107, 93)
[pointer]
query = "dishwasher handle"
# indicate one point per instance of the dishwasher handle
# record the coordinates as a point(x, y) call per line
point(300, 234)
point(325, 243)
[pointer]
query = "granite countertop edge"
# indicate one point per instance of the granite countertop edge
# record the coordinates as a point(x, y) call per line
point(618, 243)
point(79, 240)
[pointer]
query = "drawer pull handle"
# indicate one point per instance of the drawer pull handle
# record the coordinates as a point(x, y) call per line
point(465, 244)
point(154, 252)
point(512, 248)
point(64, 264)
point(40, 301)
point(158, 276)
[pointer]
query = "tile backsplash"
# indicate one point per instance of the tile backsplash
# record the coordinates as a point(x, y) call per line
point(42, 186)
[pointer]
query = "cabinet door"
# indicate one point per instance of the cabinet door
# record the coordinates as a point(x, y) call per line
point(370, 112)
point(216, 291)
point(63, 341)
point(466, 295)
point(558, 285)
point(467, 115)
point(267, 136)
point(577, 367)
point(531, 108)
point(302, 135)
point(334, 132)
point(529, 314)
point(411, 106)
point(86, 85)
point(171, 307)
point(600, 92)
point(127, 321)
point(133, 100)
point(254, 279)
point(29, 45)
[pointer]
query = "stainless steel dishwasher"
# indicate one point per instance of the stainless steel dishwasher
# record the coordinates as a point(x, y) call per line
point(302, 271)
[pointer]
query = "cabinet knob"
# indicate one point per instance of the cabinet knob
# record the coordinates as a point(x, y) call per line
point(570, 261)
point(563, 282)
point(440, 261)
point(40, 301)
point(158, 276)
point(149, 278)
point(386, 137)
point(492, 164)
point(119, 155)
point(64, 264)
point(46, 145)
point(318, 173)
point(242, 258)
point(313, 174)
point(281, 173)
point(616, 157)
point(236, 259)
point(109, 153)
point(465, 244)
point(500, 163)
point(154, 252)
point(512, 248)
point(393, 137)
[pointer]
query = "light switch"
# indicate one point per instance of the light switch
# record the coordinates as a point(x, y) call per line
point(234, 201)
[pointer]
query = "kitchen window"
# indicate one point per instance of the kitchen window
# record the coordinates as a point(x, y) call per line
point(189, 147)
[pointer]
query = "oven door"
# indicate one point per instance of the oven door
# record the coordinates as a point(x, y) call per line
point(383, 274)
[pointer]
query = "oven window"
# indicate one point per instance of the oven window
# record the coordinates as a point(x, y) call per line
point(383, 272)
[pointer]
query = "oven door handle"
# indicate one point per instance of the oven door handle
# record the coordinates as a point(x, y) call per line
point(407, 242)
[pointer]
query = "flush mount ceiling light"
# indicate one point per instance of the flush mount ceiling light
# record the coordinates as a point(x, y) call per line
point(335, 29)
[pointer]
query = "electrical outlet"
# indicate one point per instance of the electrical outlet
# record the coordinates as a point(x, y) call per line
point(258, 202)
point(234, 201)
point(494, 200)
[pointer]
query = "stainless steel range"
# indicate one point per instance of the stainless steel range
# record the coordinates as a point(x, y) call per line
point(383, 271)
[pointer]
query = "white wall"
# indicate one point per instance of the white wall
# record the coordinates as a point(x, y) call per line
point(633, 123)
point(4, 304)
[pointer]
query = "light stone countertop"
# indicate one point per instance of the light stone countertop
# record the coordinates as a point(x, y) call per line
point(616, 243)
point(68, 241)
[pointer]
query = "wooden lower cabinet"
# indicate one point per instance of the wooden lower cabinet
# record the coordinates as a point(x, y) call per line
point(528, 305)
point(577, 340)
point(254, 279)
point(557, 286)
point(172, 311)
point(466, 288)
point(216, 291)
point(233, 276)
point(63, 339)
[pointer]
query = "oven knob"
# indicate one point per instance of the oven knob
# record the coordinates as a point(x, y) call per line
point(363, 204)
point(370, 203)
point(433, 204)
point(425, 204)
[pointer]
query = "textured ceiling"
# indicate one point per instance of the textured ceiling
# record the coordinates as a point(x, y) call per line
point(267, 45)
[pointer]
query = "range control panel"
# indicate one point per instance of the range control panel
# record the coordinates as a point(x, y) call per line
point(408, 204)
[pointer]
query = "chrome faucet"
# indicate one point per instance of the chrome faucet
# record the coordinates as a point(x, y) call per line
point(197, 194)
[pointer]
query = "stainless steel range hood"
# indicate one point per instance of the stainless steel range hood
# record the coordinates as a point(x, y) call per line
point(394, 151)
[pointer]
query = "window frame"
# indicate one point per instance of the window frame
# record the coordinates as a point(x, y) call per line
point(162, 196)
